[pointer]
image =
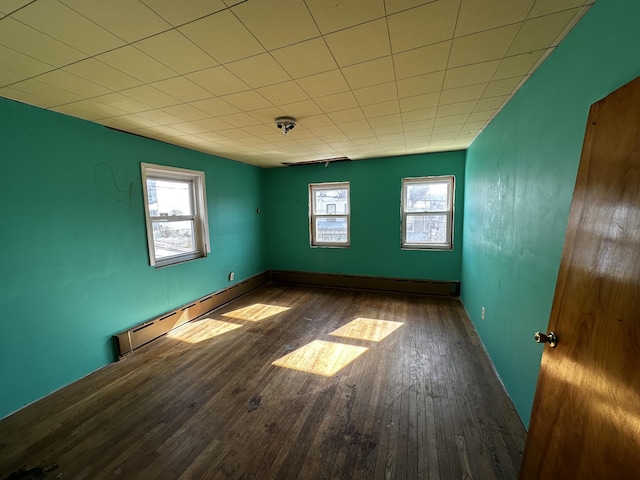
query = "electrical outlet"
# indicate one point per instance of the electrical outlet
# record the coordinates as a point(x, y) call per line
point(482, 312)
point(232, 276)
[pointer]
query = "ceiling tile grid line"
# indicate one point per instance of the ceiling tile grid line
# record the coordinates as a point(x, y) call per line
point(385, 76)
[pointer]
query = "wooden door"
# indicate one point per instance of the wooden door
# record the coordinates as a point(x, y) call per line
point(586, 415)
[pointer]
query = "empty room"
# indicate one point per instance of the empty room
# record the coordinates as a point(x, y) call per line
point(313, 239)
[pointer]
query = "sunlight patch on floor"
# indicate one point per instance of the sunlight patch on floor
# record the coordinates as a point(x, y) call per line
point(206, 328)
point(321, 358)
point(255, 312)
point(369, 329)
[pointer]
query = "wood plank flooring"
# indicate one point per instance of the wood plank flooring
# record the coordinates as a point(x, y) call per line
point(418, 401)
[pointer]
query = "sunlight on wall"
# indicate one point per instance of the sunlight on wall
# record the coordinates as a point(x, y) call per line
point(204, 330)
point(367, 329)
point(321, 358)
point(256, 312)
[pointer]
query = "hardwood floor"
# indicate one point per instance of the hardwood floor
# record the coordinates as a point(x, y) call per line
point(418, 399)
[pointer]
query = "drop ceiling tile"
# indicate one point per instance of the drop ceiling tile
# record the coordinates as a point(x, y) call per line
point(317, 121)
point(474, 125)
point(21, 64)
point(419, 61)
point(360, 43)
point(370, 73)
point(541, 32)
point(182, 89)
point(267, 115)
point(470, 74)
point(342, 117)
point(518, 65)
point(52, 95)
point(187, 113)
point(99, 108)
point(481, 116)
point(102, 74)
point(352, 122)
point(427, 83)
point(383, 109)
point(161, 131)
point(299, 110)
point(246, 101)
point(502, 87)
point(333, 16)
point(305, 58)
point(456, 108)
point(130, 121)
point(64, 24)
point(178, 13)
point(388, 130)
point(10, 6)
point(327, 130)
point(72, 110)
point(338, 101)
point(430, 23)
point(8, 77)
point(130, 20)
point(31, 42)
point(160, 117)
point(450, 120)
point(277, 23)
point(322, 84)
point(223, 37)
point(176, 52)
point(261, 130)
point(151, 96)
point(360, 134)
point(283, 93)
point(218, 80)
point(462, 94)
point(239, 120)
point(27, 97)
point(376, 94)
point(416, 115)
point(123, 103)
point(419, 126)
point(385, 121)
point(136, 64)
point(213, 125)
point(419, 102)
point(215, 107)
point(482, 47)
point(71, 83)
point(480, 15)
point(545, 7)
point(490, 103)
point(446, 130)
point(258, 71)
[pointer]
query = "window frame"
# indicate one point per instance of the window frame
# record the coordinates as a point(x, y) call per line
point(199, 215)
point(449, 212)
point(313, 187)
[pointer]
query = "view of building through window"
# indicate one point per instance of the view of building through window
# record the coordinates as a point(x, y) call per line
point(330, 214)
point(427, 209)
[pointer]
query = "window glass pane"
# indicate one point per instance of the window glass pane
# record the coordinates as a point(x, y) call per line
point(331, 229)
point(167, 198)
point(426, 229)
point(173, 238)
point(331, 201)
point(427, 197)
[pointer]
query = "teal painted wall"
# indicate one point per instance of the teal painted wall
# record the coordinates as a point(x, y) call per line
point(520, 175)
point(375, 218)
point(73, 251)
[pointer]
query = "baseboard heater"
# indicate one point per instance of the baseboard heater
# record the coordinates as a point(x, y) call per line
point(128, 340)
point(387, 284)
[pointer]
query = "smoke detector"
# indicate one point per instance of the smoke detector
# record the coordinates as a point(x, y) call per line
point(285, 124)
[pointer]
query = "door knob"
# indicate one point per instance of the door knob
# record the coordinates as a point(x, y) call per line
point(551, 338)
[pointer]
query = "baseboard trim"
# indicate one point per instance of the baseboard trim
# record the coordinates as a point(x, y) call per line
point(387, 284)
point(129, 340)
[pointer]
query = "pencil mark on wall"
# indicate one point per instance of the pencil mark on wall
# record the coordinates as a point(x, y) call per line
point(105, 180)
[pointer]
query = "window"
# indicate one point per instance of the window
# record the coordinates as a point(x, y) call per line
point(427, 213)
point(329, 214)
point(176, 214)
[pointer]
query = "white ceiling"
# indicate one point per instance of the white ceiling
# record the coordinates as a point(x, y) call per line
point(363, 78)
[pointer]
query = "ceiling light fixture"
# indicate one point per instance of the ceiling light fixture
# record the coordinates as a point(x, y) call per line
point(286, 124)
